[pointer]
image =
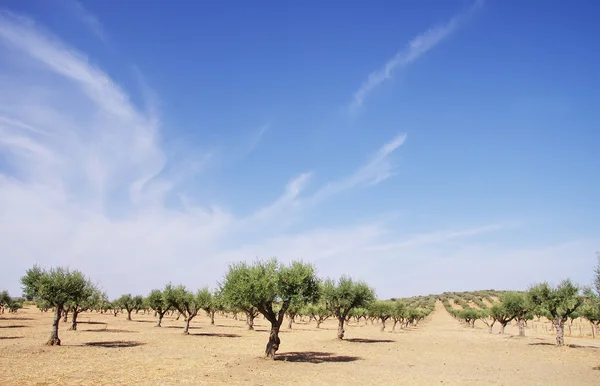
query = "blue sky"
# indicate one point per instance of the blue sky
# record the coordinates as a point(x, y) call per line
point(422, 146)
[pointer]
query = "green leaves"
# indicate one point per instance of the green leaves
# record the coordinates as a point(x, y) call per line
point(341, 297)
point(517, 305)
point(57, 286)
point(559, 302)
point(270, 286)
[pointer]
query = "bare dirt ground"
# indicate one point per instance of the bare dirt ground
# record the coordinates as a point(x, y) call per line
point(112, 350)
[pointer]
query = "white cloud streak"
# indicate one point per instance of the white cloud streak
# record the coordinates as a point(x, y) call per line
point(416, 48)
point(87, 18)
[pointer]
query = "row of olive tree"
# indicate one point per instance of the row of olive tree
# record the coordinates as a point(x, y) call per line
point(557, 304)
point(272, 288)
point(266, 287)
point(6, 301)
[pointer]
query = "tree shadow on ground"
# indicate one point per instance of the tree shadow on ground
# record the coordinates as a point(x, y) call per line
point(78, 322)
point(218, 335)
point(14, 326)
point(11, 337)
point(115, 344)
point(143, 321)
point(361, 340)
point(566, 345)
point(191, 327)
point(108, 330)
point(15, 318)
point(314, 357)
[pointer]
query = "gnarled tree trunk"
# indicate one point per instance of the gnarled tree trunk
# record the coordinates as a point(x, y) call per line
point(318, 323)
point(65, 315)
point(290, 321)
point(274, 341)
point(250, 320)
point(129, 314)
point(521, 324)
point(560, 332)
point(54, 340)
point(502, 327)
point(212, 317)
point(187, 326)
point(382, 325)
point(74, 320)
point(341, 331)
point(159, 317)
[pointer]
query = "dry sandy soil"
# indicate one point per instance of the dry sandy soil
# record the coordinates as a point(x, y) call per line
point(111, 350)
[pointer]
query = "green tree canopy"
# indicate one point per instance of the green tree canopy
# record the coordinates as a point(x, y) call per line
point(55, 287)
point(345, 295)
point(560, 302)
point(271, 287)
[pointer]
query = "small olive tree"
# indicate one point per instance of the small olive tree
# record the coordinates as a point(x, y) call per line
point(499, 313)
point(56, 287)
point(345, 295)
point(127, 302)
point(382, 310)
point(560, 302)
point(157, 301)
point(318, 312)
point(210, 303)
point(85, 301)
point(519, 307)
point(186, 302)
point(4, 300)
point(270, 287)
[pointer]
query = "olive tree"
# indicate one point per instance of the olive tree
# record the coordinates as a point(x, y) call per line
point(399, 313)
point(500, 314)
point(157, 301)
point(127, 302)
point(271, 287)
point(4, 300)
point(560, 302)
point(382, 310)
point(210, 303)
point(85, 301)
point(56, 287)
point(519, 307)
point(345, 295)
point(488, 318)
point(318, 312)
point(186, 302)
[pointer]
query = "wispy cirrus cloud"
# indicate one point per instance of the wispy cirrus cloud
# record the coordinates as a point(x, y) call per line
point(87, 18)
point(416, 48)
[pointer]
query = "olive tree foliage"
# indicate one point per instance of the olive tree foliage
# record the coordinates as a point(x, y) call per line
point(210, 302)
point(56, 287)
point(86, 300)
point(271, 287)
point(500, 314)
point(138, 303)
point(4, 300)
point(126, 302)
point(158, 301)
point(342, 297)
point(487, 317)
point(560, 302)
point(519, 307)
point(382, 310)
point(318, 312)
point(186, 302)
point(399, 313)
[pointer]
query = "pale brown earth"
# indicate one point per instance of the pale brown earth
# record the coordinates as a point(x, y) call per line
point(110, 350)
